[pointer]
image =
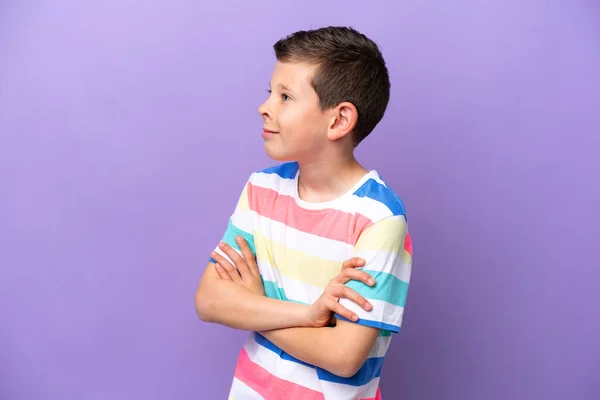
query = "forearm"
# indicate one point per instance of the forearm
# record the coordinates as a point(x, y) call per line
point(321, 347)
point(228, 304)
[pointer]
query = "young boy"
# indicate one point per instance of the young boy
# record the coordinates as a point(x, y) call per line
point(316, 259)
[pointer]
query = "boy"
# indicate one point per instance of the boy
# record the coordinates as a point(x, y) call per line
point(316, 259)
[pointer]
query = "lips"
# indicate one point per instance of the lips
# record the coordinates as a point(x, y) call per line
point(268, 133)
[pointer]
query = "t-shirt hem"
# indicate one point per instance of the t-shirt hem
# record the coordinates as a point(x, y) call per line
point(373, 324)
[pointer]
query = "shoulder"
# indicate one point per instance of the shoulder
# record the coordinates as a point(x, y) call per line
point(380, 200)
point(278, 177)
point(285, 170)
point(388, 229)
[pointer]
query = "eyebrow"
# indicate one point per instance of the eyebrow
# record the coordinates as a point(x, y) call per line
point(282, 87)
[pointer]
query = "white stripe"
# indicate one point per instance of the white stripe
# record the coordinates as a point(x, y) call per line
point(306, 293)
point(243, 219)
point(302, 375)
point(294, 289)
point(307, 243)
point(378, 179)
point(382, 311)
point(392, 263)
point(370, 208)
point(274, 182)
point(380, 347)
point(221, 252)
point(269, 273)
point(300, 291)
point(241, 391)
point(370, 389)
point(287, 370)
point(339, 391)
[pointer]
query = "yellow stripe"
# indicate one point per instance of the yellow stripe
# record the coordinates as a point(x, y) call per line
point(295, 264)
point(406, 257)
point(243, 200)
point(386, 235)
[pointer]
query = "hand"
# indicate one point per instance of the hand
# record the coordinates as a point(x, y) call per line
point(246, 274)
point(321, 311)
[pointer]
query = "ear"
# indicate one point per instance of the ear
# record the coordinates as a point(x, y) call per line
point(343, 121)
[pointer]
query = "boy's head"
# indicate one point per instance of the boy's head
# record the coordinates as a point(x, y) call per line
point(329, 85)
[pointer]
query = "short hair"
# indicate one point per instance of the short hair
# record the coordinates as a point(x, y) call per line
point(350, 68)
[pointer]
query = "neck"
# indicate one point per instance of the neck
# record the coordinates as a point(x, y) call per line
point(327, 179)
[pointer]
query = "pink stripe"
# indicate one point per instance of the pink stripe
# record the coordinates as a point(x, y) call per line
point(269, 386)
point(331, 224)
point(408, 244)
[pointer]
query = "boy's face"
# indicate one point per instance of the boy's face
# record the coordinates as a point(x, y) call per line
point(295, 128)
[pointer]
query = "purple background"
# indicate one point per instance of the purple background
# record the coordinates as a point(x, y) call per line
point(127, 129)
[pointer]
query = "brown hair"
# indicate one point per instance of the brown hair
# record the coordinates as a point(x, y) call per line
point(350, 68)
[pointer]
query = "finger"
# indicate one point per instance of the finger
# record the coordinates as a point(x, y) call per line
point(235, 257)
point(354, 262)
point(351, 274)
point(343, 311)
point(226, 265)
point(222, 273)
point(248, 255)
point(347, 293)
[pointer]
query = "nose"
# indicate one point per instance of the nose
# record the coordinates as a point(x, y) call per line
point(265, 110)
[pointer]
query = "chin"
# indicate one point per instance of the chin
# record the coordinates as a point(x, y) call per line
point(278, 154)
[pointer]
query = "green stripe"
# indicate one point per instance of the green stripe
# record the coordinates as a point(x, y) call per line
point(387, 288)
point(273, 291)
point(232, 232)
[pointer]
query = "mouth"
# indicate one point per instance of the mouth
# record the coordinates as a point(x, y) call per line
point(267, 133)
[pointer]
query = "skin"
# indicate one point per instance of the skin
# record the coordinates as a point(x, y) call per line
point(318, 140)
point(295, 128)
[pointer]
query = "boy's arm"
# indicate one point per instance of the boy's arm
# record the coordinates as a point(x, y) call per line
point(234, 295)
point(226, 303)
point(342, 350)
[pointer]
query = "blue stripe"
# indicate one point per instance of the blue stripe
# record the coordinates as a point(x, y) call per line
point(212, 260)
point(371, 368)
point(372, 324)
point(286, 171)
point(378, 192)
point(264, 342)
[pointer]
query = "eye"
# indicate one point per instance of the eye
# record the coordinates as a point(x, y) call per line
point(285, 97)
point(269, 91)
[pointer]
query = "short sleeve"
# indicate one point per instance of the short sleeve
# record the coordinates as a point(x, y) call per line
point(387, 250)
point(239, 224)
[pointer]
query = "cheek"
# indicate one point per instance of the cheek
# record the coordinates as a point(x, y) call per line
point(300, 120)
point(291, 116)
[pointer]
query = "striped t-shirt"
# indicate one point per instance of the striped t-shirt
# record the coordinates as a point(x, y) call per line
point(300, 247)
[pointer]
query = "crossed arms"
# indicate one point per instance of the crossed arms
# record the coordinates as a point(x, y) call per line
point(234, 297)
